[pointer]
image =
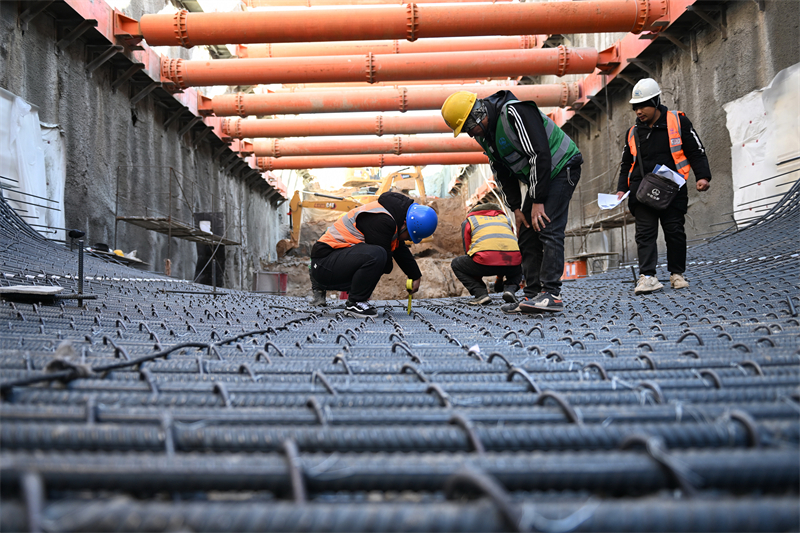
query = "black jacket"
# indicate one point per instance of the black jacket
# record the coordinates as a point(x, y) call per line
point(379, 229)
point(654, 150)
point(530, 127)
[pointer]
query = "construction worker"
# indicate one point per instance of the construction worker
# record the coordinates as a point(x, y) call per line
point(491, 250)
point(665, 138)
point(360, 247)
point(537, 167)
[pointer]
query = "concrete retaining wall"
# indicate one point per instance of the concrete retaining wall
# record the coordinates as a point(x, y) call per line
point(109, 142)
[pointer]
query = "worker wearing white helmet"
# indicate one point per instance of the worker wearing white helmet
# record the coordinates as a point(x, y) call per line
point(667, 138)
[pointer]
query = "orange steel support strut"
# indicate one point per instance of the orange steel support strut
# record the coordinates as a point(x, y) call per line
point(410, 22)
point(422, 46)
point(363, 145)
point(321, 126)
point(375, 99)
point(557, 61)
point(317, 3)
point(361, 161)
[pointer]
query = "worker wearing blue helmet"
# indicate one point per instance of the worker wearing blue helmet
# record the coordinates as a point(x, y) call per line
point(363, 244)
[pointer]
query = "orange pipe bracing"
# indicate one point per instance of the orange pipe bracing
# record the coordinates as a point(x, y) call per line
point(375, 99)
point(323, 126)
point(317, 3)
point(410, 22)
point(556, 61)
point(397, 145)
point(343, 48)
point(359, 161)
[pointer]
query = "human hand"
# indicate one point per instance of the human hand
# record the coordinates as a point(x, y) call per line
point(620, 194)
point(538, 216)
point(519, 218)
point(415, 285)
point(702, 185)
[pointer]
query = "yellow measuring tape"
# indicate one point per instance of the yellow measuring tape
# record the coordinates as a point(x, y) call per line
point(409, 288)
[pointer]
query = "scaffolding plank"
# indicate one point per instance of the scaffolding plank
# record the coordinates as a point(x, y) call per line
point(177, 229)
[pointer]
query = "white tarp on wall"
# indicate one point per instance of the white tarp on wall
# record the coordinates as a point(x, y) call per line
point(32, 165)
point(764, 126)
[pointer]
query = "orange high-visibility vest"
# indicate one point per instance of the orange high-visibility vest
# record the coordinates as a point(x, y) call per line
point(675, 145)
point(344, 232)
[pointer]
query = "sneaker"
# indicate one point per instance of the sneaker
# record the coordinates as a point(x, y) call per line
point(678, 281)
point(480, 299)
point(512, 308)
point(544, 302)
point(318, 298)
point(359, 309)
point(510, 297)
point(647, 284)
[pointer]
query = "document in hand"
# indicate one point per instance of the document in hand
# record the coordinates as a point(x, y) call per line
point(609, 201)
point(670, 174)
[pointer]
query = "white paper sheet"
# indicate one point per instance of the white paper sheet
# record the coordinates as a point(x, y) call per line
point(670, 174)
point(609, 201)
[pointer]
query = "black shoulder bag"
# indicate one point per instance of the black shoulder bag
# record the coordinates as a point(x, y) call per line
point(656, 192)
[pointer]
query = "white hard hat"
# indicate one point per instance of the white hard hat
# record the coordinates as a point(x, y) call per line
point(644, 90)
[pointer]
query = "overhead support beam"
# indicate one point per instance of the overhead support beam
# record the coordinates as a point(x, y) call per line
point(125, 76)
point(328, 126)
point(410, 22)
point(598, 102)
point(363, 145)
point(75, 34)
point(108, 53)
point(396, 46)
point(361, 161)
point(317, 3)
point(152, 86)
point(371, 68)
point(375, 99)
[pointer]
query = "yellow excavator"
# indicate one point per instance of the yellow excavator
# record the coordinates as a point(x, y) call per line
point(404, 180)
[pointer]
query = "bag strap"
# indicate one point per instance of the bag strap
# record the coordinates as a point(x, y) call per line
point(638, 150)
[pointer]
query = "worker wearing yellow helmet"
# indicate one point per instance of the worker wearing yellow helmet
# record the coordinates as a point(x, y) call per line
point(537, 166)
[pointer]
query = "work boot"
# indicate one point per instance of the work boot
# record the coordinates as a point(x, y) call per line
point(318, 297)
point(512, 308)
point(678, 281)
point(647, 284)
point(480, 299)
point(544, 302)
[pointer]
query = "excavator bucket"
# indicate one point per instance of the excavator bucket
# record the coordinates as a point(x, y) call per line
point(284, 246)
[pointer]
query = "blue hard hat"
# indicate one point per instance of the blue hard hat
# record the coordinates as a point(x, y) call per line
point(421, 222)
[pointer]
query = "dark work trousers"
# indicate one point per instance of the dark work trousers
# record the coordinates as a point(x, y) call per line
point(356, 269)
point(543, 251)
point(471, 273)
point(672, 221)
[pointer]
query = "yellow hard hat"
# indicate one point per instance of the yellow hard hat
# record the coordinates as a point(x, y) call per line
point(456, 109)
point(119, 253)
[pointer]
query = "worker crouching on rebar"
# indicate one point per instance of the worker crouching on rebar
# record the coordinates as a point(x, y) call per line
point(537, 167)
point(666, 138)
point(361, 246)
point(491, 250)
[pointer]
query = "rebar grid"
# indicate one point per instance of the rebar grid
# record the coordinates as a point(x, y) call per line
point(672, 411)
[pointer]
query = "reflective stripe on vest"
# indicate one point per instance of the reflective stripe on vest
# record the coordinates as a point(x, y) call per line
point(491, 234)
point(344, 232)
point(511, 154)
point(675, 145)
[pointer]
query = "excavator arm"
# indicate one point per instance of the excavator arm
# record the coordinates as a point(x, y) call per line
point(318, 201)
